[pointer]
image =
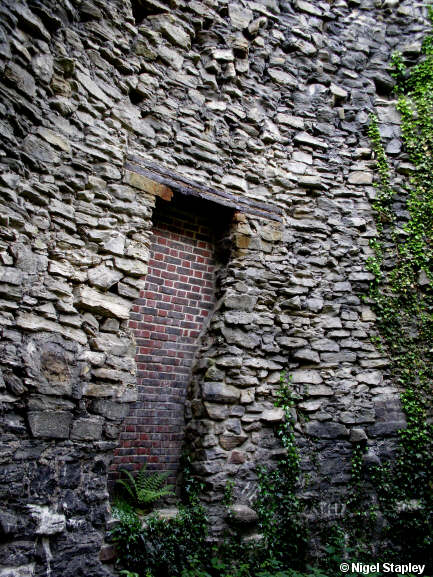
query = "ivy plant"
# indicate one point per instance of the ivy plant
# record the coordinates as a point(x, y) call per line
point(402, 297)
point(277, 505)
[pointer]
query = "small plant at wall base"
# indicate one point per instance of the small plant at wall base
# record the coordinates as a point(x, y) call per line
point(402, 297)
point(147, 487)
point(158, 547)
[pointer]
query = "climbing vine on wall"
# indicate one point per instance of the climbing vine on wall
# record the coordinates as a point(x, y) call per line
point(277, 505)
point(402, 296)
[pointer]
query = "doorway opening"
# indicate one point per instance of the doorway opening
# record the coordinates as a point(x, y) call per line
point(168, 320)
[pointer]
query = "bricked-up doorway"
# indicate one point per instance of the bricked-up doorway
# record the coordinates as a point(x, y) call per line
point(168, 319)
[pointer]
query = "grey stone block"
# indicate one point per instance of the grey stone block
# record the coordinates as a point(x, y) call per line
point(50, 424)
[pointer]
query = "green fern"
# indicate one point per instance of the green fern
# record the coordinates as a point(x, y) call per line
point(147, 487)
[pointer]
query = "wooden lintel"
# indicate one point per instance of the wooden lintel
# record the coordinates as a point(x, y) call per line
point(158, 179)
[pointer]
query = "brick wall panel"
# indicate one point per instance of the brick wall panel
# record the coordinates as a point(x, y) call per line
point(167, 320)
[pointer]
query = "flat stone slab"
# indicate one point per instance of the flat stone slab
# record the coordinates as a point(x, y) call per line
point(243, 515)
point(103, 303)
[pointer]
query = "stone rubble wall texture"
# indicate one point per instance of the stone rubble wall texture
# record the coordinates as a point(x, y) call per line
point(265, 99)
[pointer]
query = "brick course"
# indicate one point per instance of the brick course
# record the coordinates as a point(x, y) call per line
point(167, 320)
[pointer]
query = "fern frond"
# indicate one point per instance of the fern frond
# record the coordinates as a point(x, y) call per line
point(129, 475)
point(147, 497)
point(147, 486)
point(151, 481)
point(128, 484)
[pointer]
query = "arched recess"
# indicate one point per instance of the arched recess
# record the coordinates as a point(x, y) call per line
point(167, 320)
point(174, 307)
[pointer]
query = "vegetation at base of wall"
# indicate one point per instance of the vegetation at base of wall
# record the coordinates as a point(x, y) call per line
point(179, 547)
point(143, 490)
point(278, 507)
point(402, 297)
point(156, 546)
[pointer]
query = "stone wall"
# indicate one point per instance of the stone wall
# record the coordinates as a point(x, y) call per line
point(257, 104)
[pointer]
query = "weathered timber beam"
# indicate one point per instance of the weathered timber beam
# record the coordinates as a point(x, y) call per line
point(161, 181)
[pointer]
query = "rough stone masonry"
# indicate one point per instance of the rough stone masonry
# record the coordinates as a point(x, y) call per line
point(259, 106)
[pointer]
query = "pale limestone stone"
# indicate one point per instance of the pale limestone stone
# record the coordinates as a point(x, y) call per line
point(319, 391)
point(307, 139)
point(243, 514)
point(310, 406)
point(275, 415)
point(92, 88)
point(306, 377)
point(31, 322)
point(359, 177)
point(240, 17)
point(55, 139)
point(133, 267)
point(49, 522)
point(103, 276)
point(370, 378)
point(236, 182)
point(175, 33)
point(281, 77)
point(115, 243)
point(338, 91)
point(102, 303)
